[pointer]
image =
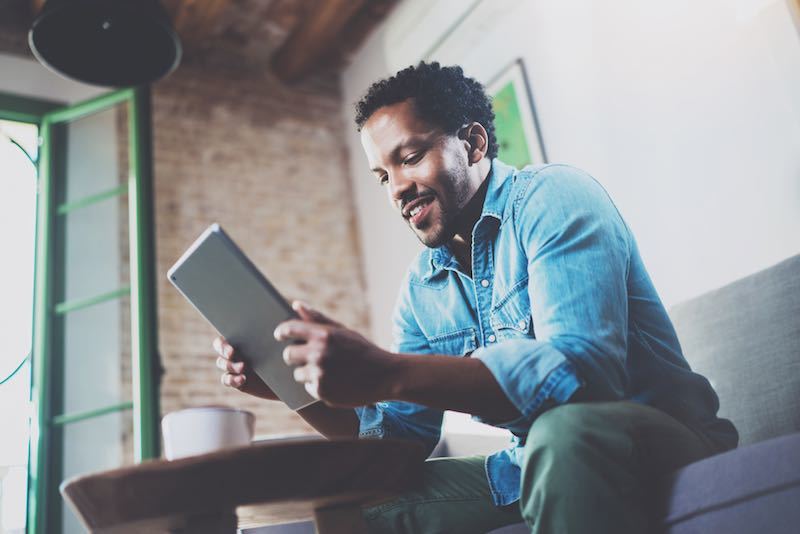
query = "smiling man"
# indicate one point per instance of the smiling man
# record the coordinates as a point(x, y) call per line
point(530, 309)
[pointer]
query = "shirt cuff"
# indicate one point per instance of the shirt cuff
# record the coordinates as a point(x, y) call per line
point(533, 375)
point(371, 423)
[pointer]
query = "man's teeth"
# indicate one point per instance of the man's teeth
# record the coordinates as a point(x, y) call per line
point(418, 208)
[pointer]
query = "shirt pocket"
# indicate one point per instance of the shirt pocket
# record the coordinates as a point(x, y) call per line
point(510, 317)
point(457, 343)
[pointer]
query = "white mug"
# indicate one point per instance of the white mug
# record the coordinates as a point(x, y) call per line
point(205, 429)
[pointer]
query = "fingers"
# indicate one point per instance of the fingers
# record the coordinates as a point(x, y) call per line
point(307, 313)
point(295, 355)
point(295, 330)
point(306, 374)
point(312, 389)
point(222, 347)
point(235, 368)
point(309, 376)
point(233, 376)
point(233, 381)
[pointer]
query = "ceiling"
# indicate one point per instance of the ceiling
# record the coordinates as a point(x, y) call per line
point(293, 38)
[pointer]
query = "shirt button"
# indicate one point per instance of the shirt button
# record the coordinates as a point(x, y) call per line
point(492, 339)
point(523, 323)
point(485, 283)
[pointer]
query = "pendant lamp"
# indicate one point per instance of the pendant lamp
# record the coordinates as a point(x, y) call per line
point(113, 43)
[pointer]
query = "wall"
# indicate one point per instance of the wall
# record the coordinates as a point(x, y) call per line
point(267, 162)
point(687, 111)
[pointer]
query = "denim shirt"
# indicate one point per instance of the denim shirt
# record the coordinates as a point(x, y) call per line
point(559, 299)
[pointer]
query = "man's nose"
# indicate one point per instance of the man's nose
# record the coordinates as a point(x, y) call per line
point(400, 188)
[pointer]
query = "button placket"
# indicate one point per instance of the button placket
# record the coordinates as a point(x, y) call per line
point(482, 272)
point(483, 289)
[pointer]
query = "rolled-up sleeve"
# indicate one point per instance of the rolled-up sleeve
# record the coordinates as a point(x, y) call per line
point(577, 248)
point(397, 419)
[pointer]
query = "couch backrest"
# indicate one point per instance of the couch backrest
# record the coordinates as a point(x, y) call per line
point(745, 338)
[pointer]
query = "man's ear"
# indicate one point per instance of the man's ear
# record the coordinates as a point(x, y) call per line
point(477, 140)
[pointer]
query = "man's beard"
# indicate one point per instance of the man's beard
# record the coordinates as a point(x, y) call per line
point(442, 230)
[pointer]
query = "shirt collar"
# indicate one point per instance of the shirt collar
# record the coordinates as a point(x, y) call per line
point(494, 205)
point(497, 192)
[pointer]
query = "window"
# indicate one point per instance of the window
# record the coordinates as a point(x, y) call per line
point(18, 148)
point(94, 365)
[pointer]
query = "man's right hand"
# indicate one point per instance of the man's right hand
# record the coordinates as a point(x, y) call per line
point(238, 374)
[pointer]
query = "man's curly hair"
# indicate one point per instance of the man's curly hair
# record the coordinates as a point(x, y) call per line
point(443, 96)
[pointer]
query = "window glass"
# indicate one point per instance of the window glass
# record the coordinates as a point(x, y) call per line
point(17, 240)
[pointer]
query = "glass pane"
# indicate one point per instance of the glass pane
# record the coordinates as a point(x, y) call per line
point(93, 155)
point(17, 234)
point(96, 348)
point(15, 424)
point(93, 445)
point(95, 249)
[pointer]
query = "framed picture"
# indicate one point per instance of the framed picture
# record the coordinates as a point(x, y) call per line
point(516, 125)
point(794, 7)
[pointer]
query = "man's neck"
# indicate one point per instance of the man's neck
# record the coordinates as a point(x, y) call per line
point(461, 244)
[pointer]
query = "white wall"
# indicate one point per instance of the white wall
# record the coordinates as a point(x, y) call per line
point(26, 77)
point(687, 111)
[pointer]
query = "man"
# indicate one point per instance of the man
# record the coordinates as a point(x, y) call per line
point(534, 275)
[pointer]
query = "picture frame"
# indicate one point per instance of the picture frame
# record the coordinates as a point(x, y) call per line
point(516, 124)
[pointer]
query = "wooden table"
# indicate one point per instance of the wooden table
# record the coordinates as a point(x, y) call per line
point(262, 484)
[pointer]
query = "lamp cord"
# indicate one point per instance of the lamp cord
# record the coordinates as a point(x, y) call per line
point(15, 371)
point(14, 141)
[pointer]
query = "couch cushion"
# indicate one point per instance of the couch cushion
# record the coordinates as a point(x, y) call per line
point(745, 338)
point(754, 489)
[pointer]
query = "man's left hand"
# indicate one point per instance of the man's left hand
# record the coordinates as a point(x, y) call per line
point(337, 365)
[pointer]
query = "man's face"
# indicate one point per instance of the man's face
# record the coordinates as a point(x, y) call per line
point(425, 171)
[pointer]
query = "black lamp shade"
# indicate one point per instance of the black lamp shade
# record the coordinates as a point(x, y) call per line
point(114, 43)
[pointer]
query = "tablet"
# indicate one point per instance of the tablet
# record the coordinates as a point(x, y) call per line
point(231, 293)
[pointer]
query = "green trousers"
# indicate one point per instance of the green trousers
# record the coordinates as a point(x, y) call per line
point(587, 469)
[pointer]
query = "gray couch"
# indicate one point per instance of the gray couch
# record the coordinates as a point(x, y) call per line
point(745, 338)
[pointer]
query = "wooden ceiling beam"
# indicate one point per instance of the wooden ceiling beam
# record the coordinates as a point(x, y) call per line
point(313, 37)
point(194, 20)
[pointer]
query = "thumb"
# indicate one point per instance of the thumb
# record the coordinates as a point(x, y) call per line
point(307, 313)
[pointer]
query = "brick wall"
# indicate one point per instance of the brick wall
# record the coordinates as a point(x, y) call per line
point(268, 163)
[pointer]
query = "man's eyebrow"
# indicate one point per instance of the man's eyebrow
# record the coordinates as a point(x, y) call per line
point(398, 148)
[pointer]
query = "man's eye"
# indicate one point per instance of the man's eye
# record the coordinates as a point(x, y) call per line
point(413, 158)
point(384, 179)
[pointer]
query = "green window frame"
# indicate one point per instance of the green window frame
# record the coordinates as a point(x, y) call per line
point(47, 374)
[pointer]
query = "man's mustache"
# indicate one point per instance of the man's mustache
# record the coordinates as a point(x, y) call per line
point(407, 200)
